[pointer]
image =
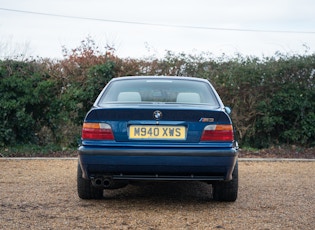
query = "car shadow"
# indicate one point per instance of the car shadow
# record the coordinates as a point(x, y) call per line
point(162, 192)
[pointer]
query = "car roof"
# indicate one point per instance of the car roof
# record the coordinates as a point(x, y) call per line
point(160, 77)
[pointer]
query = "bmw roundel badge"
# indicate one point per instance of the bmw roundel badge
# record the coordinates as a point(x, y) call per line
point(157, 115)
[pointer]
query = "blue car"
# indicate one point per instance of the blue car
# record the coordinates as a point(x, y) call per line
point(157, 128)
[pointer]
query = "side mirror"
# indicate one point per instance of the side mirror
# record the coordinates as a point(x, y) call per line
point(227, 110)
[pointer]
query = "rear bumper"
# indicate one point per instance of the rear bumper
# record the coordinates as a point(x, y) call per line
point(205, 164)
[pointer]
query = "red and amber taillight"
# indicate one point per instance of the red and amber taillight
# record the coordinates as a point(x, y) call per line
point(217, 133)
point(97, 131)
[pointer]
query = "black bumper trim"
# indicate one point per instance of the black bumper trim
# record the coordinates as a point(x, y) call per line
point(167, 178)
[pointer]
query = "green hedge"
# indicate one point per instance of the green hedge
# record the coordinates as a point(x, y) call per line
point(272, 99)
point(39, 107)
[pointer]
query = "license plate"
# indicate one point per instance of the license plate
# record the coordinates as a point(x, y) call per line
point(157, 132)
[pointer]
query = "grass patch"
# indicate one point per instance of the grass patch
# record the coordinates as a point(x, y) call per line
point(30, 150)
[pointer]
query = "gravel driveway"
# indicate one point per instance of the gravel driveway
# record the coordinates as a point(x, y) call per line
point(41, 194)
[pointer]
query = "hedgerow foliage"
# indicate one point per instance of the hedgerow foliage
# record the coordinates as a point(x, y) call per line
point(45, 101)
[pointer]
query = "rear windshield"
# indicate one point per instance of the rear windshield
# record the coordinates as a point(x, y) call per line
point(158, 91)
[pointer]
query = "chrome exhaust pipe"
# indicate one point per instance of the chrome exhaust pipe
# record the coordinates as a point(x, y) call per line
point(102, 182)
point(97, 182)
point(107, 182)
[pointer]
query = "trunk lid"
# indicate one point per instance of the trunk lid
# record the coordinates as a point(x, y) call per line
point(143, 120)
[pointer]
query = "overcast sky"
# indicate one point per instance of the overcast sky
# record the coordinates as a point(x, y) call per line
point(141, 28)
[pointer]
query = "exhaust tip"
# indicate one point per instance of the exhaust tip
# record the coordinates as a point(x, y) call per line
point(101, 182)
point(107, 183)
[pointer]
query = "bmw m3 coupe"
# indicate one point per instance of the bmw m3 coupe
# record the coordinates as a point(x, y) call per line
point(158, 128)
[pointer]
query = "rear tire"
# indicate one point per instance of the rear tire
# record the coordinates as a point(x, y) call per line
point(227, 191)
point(85, 188)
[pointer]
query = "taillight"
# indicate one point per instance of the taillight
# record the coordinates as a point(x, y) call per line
point(97, 131)
point(217, 133)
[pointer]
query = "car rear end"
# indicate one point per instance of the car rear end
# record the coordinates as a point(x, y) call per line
point(157, 129)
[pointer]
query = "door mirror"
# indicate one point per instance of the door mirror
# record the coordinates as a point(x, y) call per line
point(227, 110)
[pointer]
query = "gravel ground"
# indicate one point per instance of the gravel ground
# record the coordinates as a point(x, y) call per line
point(41, 194)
